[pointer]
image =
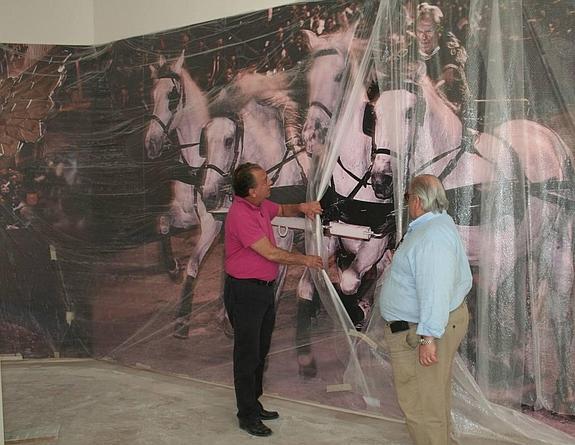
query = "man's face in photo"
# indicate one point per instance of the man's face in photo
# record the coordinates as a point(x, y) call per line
point(427, 36)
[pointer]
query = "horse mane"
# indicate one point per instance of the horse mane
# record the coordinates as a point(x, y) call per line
point(442, 121)
point(273, 91)
point(196, 101)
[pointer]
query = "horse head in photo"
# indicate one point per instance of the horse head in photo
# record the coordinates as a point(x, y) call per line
point(168, 97)
point(328, 66)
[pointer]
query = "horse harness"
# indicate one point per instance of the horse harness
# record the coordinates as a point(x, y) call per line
point(239, 138)
point(238, 147)
point(538, 190)
point(316, 103)
point(176, 96)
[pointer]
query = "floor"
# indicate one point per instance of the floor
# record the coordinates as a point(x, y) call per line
point(95, 402)
point(85, 402)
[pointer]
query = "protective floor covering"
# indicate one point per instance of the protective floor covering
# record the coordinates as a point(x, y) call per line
point(95, 402)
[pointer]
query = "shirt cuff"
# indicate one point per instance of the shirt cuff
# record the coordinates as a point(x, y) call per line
point(429, 331)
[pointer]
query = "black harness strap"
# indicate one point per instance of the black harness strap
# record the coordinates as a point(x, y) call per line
point(361, 182)
point(321, 107)
point(181, 100)
point(239, 139)
point(287, 158)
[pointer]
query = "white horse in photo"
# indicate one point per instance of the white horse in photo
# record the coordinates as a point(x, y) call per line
point(500, 225)
point(350, 199)
point(254, 134)
point(181, 108)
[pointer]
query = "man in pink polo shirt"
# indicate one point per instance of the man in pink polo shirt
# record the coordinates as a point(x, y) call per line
point(251, 263)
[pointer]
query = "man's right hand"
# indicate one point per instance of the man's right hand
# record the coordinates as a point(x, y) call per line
point(313, 261)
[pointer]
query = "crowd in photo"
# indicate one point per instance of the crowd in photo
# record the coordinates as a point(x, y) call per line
point(270, 41)
point(37, 191)
point(267, 42)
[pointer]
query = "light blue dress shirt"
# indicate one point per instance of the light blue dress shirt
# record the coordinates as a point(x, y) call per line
point(428, 277)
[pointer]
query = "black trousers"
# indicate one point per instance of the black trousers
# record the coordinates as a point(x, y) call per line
point(251, 311)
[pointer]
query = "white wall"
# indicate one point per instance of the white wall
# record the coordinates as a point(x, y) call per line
point(86, 22)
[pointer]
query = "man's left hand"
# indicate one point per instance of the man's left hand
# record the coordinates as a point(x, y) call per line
point(310, 209)
point(428, 354)
point(449, 76)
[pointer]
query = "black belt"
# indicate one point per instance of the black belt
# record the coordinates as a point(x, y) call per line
point(256, 281)
point(398, 326)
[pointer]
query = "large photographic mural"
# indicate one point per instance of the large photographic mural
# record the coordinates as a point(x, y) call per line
point(115, 167)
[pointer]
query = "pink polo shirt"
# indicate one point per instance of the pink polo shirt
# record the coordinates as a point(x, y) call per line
point(246, 224)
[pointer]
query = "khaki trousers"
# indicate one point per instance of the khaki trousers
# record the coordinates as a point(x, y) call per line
point(424, 392)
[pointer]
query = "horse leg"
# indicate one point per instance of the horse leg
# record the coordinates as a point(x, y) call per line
point(307, 308)
point(383, 264)
point(368, 254)
point(283, 242)
point(558, 300)
point(183, 213)
point(222, 314)
point(171, 263)
point(182, 327)
point(210, 230)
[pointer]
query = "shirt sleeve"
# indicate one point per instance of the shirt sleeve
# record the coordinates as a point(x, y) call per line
point(249, 231)
point(271, 208)
point(435, 269)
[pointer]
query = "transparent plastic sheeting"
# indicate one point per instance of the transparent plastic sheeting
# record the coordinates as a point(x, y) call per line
point(520, 245)
point(115, 169)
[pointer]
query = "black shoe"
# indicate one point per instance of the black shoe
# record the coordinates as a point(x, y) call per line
point(268, 415)
point(256, 428)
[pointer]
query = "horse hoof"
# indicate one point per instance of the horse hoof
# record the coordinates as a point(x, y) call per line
point(175, 273)
point(181, 331)
point(365, 307)
point(309, 370)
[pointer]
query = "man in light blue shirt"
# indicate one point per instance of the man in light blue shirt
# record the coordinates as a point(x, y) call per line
point(423, 303)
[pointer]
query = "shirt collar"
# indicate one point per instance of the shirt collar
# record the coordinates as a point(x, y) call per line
point(244, 201)
point(425, 56)
point(423, 219)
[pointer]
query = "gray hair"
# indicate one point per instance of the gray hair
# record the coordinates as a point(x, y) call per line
point(431, 192)
point(425, 11)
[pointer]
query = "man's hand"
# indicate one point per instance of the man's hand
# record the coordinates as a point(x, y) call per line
point(313, 262)
point(449, 76)
point(428, 354)
point(310, 209)
point(265, 248)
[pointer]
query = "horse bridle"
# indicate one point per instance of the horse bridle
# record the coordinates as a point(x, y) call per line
point(176, 96)
point(315, 103)
point(238, 139)
point(322, 107)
